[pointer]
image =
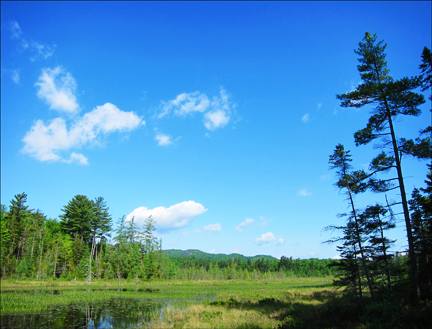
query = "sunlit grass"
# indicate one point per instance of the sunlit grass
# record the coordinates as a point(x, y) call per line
point(28, 295)
point(283, 303)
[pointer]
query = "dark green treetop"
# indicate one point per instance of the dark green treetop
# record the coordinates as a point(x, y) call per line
point(77, 217)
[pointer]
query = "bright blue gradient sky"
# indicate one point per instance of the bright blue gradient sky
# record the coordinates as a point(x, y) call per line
point(217, 118)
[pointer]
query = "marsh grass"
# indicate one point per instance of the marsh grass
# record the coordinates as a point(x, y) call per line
point(26, 297)
point(287, 303)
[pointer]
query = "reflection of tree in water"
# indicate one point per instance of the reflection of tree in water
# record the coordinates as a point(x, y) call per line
point(118, 313)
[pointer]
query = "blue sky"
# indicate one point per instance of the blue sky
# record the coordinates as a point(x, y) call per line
point(216, 118)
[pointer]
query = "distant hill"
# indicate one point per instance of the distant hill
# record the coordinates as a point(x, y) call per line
point(197, 254)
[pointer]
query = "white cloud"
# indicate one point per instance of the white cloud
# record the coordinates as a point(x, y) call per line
point(193, 232)
point(167, 219)
point(163, 140)
point(186, 103)
point(15, 30)
point(305, 118)
point(265, 238)
point(57, 88)
point(217, 112)
point(304, 192)
point(319, 106)
point(337, 257)
point(212, 251)
point(248, 222)
point(15, 76)
point(108, 118)
point(39, 50)
point(45, 142)
point(78, 158)
point(263, 221)
point(219, 116)
point(215, 119)
point(213, 227)
point(280, 241)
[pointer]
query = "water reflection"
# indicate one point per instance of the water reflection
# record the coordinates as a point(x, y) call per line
point(57, 292)
point(115, 313)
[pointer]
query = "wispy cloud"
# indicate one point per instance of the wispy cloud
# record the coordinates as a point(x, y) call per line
point(15, 76)
point(219, 116)
point(185, 103)
point(304, 192)
point(265, 238)
point(247, 223)
point(38, 50)
point(217, 111)
point(263, 221)
point(280, 241)
point(190, 233)
point(78, 158)
point(213, 227)
point(57, 88)
point(163, 140)
point(171, 218)
point(319, 105)
point(325, 177)
point(305, 118)
point(45, 141)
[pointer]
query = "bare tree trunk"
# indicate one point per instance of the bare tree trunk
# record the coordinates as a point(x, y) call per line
point(363, 260)
point(91, 256)
point(31, 256)
point(55, 262)
point(412, 256)
point(40, 250)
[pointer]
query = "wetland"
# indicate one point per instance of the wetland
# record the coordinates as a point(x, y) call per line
point(159, 304)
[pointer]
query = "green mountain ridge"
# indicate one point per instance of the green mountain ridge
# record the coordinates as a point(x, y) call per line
point(198, 254)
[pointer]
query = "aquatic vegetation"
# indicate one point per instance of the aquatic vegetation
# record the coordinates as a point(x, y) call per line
point(163, 304)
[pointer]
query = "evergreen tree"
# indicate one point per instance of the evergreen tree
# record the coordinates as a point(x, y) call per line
point(353, 183)
point(16, 219)
point(426, 70)
point(4, 239)
point(78, 216)
point(379, 245)
point(391, 98)
point(421, 220)
point(100, 226)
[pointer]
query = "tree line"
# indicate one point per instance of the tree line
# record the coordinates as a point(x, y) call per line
point(363, 243)
point(84, 245)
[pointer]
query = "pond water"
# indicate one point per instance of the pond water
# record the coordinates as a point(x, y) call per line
point(113, 313)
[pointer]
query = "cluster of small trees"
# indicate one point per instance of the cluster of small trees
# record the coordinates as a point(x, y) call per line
point(364, 248)
point(76, 246)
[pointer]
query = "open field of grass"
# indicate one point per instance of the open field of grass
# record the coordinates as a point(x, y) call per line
point(286, 303)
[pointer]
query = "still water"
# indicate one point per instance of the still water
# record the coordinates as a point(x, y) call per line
point(113, 313)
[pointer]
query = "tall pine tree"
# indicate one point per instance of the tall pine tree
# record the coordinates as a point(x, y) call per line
point(390, 98)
